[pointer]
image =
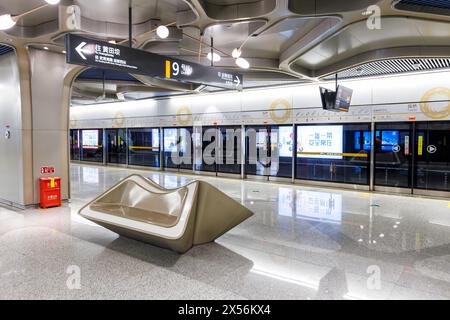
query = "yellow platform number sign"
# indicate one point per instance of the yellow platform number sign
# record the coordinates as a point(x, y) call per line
point(184, 116)
point(440, 110)
point(280, 110)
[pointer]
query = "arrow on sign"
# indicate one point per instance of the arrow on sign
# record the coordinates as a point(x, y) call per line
point(431, 148)
point(80, 50)
point(237, 81)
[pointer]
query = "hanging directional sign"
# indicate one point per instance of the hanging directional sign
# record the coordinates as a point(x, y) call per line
point(100, 54)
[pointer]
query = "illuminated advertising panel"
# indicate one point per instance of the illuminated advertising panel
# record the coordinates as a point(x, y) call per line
point(285, 141)
point(155, 139)
point(321, 142)
point(90, 139)
point(170, 140)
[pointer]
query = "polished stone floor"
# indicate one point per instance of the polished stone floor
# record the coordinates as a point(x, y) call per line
point(302, 243)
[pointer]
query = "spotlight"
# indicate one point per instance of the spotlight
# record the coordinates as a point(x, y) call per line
point(7, 22)
point(242, 63)
point(236, 53)
point(52, 1)
point(215, 57)
point(162, 32)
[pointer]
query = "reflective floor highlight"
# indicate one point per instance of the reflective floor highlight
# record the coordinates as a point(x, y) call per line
point(302, 243)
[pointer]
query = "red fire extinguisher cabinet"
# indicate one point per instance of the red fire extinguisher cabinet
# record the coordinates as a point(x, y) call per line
point(50, 192)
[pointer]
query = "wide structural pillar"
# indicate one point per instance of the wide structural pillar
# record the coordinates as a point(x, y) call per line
point(39, 124)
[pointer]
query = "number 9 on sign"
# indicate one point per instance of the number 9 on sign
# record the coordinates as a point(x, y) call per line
point(172, 69)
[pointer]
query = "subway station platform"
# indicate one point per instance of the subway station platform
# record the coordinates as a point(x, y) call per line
point(302, 243)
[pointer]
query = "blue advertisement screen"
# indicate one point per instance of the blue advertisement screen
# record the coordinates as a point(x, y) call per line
point(389, 139)
point(365, 142)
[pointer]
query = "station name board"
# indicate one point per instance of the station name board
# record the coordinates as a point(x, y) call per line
point(100, 54)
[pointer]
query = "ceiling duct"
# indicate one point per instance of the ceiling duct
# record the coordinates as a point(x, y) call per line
point(439, 7)
point(392, 67)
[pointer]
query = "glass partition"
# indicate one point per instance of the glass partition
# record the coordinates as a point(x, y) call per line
point(393, 154)
point(432, 154)
point(178, 142)
point(333, 152)
point(230, 149)
point(92, 145)
point(74, 144)
point(269, 151)
point(144, 144)
point(116, 146)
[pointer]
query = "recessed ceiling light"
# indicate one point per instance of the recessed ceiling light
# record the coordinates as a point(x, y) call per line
point(45, 48)
point(242, 63)
point(64, 51)
point(215, 57)
point(112, 41)
point(381, 235)
point(52, 1)
point(7, 22)
point(162, 32)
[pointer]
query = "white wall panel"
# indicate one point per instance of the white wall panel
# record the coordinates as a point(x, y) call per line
point(254, 106)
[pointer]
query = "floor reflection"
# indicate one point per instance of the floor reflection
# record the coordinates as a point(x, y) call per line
point(302, 243)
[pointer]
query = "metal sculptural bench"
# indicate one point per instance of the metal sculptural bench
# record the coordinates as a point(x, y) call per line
point(176, 219)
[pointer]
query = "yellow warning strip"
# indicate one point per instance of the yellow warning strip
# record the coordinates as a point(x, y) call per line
point(361, 155)
point(143, 148)
point(168, 67)
point(52, 182)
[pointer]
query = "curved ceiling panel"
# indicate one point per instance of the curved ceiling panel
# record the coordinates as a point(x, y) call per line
point(283, 35)
point(116, 11)
point(343, 48)
point(235, 9)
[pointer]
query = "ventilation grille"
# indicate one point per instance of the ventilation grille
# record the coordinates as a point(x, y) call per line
point(441, 7)
point(393, 66)
point(5, 49)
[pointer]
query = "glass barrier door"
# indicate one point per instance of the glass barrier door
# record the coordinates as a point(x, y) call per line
point(432, 156)
point(230, 149)
point(144, 144)
point(281, 144)
point(116, 146)
point(334, 153)
point(269, 151)
point(206, 144)
point(170, 146)
point(393, 154)
point(74, 144)
point(186, 148)
point(177, 148)
point(257, 151)
point(91, 145)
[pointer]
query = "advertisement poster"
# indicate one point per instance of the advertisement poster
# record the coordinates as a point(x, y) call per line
point(155, 139)
point(322, 142)
point(170, 140)
point(90, 139)
point(285, 141)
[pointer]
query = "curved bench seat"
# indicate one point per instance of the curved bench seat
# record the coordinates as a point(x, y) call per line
point(177, 219)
